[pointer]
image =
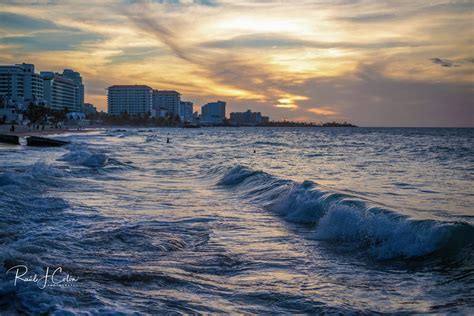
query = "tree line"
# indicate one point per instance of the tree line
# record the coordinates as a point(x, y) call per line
point(133, 120)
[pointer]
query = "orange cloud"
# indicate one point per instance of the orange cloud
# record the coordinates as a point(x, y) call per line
point(288, 101)
point(255, 54)
point(287, 106)
point(324, 111)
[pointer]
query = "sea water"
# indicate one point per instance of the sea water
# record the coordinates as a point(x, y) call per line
point(239, 220)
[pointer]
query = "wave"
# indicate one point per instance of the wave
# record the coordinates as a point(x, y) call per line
point(152, 138)
point(342, 218)
point(86, 158)
point(37, 173)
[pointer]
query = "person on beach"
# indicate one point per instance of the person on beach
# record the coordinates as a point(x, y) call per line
point(12, 128)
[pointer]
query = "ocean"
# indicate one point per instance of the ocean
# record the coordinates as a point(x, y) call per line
point(239, 220)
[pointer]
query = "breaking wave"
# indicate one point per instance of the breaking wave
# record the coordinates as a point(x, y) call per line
point(86, 158)
point(338, 217)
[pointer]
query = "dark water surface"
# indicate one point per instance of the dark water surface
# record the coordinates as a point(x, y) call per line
point(316, 220)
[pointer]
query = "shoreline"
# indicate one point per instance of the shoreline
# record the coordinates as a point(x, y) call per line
point(24, 131)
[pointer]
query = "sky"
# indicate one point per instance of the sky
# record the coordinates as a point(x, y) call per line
point(369, 62)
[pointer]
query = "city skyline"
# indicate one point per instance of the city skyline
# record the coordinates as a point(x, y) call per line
point(369, 62)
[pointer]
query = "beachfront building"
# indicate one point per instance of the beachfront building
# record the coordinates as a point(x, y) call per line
point(77, 79)
point(167, 103)
point(19, 85)
point(59, 92)
point(248, 118)
point(213, 113)
point(131, 99)
point(186, 111)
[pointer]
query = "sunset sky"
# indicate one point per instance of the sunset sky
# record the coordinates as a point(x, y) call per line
point(374, 63)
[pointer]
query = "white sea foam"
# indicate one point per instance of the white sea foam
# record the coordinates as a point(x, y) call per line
point(339, 217)
point(86, 158)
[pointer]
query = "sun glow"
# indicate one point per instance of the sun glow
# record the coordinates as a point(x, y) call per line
point(288, 101)
point(260, 54)
point(323, 110)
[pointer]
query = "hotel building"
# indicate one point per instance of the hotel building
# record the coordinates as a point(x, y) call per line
point(77, 79)
point(213, 113)
point(168, 101)
point(19, 84)
point(59, 92)
point(131, 99)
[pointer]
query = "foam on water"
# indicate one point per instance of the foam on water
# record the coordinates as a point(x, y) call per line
point(155, 235)
point(339, 217)
point(84, 157)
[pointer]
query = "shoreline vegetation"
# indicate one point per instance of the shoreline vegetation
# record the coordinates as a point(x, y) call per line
point(125, 119)
point(44, 121)
point(24, 130)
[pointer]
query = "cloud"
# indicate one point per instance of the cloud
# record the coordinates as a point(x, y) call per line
point(444, 62)
point(19, 22)
point(368, 60)
point(451, 63)
point(269, 40)
point(388, 11)
point(141, 14)
point(369, 18)
point(51, 40)
point(175, 2)
point(372, 99)
point(323, 111)
point(239, 76)
point(135, 54)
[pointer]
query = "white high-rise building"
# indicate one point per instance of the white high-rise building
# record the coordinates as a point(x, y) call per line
point(131, 99)
point(167, 100)
point(213, 113)
point(59, 92)
point(19, 84)
point(76, 77)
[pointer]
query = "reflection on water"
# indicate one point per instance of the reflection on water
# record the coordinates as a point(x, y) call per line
point(316, 220)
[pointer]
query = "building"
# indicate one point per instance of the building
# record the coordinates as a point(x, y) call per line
point(248, 118)
point(19, 84)
point(131, 99)
point(8, 113)
point(77, 79)
point(186, 111)
point(213, 113)
point(196, 118)
point(76, 116)
point(158, 112)
point(167, 101)
point(59, 92)
point(89, 108)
